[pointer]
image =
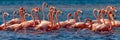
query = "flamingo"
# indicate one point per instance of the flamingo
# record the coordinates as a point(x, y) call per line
point(36, 13)
point(57, 25)
point(69, 21)
point(14, 20)
point(96, 16)
point(25, 24)
point(110, 14)
point(78, 11)
point(43, 5)
point(79, 24)
point(52, 11)
point(28, 24)
point(44, 25)
point(21, 11)
point(101, 18)
point(4, 25)
point(98, 26)
point(65, 24)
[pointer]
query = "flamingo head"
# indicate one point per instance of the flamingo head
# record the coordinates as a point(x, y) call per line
point(37, 8)
point(108, 7)
point(95, 10)
point(114, 9)
point(52, 8)
point(59, 11)
point(34, 10)
point(54, 11)
point(79, 11)
point(26, 14)
point(22, 9)
point(103, 10)
point(69, 14)
point(6, 13)
point(45, 4)
point(111, 8)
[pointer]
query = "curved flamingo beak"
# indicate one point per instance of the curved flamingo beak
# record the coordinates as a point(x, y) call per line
point(115, 10)
point(29, 15)
point(6, 13)
point(80, 11)
point(60, 12)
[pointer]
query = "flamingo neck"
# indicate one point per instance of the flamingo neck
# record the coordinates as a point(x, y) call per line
point(50, 18)
point(33, 19)
point(21, 15)
point(4, 21)
point(57, 20)
point(75, 18)
point(43, 12)
point(79, 19)
point(68, 18)
point(101, 16)
point(95, 15)
point(109, 18)
point(35, 15)
point(39, 18)
point(24, 18)
point(13, 16)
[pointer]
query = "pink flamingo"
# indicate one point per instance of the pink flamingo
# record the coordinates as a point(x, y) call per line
point(14, 20)
point(57, 25)
point(110, 14)
point(43, 5)
point(36, 13)
point(101, 18)
point(4, 25)
point(98, 26)
point(72, 21)
point(21, 11)
point(28, 24)
point(69, 21)
point(79, 24)
point(44, 25)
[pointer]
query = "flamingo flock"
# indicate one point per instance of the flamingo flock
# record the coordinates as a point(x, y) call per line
point(100, 24)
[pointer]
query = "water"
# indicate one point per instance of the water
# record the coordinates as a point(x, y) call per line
point(66, 7)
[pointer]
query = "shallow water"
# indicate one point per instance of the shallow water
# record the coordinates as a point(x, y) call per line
point(66, 7)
